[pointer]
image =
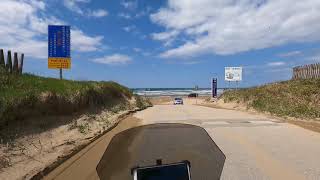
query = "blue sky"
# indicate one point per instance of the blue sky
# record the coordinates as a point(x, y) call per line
point(174, 43)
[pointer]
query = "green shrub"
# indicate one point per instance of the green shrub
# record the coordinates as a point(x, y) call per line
point(142, 102)
point(83, 128)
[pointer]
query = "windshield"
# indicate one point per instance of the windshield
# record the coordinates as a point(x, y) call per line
point(172, 143)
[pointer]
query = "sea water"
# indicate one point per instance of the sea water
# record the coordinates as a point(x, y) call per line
point(173, 91)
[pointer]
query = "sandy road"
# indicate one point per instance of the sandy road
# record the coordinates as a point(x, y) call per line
point(255, 147)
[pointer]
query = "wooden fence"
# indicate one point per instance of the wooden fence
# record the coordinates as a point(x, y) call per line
point(307, 71)
point(16, 66)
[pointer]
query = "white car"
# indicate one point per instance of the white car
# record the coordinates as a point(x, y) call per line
point(178, 101)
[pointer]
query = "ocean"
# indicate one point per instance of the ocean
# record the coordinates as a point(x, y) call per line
point(173, 91)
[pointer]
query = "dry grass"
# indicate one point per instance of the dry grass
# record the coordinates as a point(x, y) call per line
point(23, 99)
point(294, 98)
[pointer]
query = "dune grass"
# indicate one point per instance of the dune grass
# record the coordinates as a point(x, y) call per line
point(293, 98)
point(25, 96)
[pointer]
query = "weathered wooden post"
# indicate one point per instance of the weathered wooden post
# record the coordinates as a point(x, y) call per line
point(15, 63)
point(21, 64)
point(9, 62)
point(309, 71)
point(2, 62)
point(294, 73)
point(319, 70)
point(313, 71)
point(300, 72)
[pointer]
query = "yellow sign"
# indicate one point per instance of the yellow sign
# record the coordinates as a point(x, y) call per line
point(59, 63)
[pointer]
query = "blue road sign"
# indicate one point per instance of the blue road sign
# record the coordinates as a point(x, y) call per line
point(214, 87)
point(59, 47)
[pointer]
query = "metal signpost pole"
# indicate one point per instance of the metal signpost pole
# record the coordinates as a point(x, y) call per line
point(212, 94)
point(60, 74)
point(214, 86)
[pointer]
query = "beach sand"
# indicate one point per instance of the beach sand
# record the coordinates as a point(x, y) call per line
point(165, 100)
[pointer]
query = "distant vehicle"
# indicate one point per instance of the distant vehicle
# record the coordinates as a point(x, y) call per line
point(178, 101)
point(193, 95)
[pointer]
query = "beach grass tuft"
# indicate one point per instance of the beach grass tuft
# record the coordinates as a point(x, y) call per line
point(28, 96)
point(293, 98)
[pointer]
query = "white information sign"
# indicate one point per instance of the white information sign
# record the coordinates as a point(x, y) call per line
point(233, 73)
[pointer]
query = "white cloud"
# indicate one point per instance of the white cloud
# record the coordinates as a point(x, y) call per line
point(290, 54)
point(74, 5)
point(125, 15)
point(129, 28)
point(115, 59)
point(165, 35)
point(99, 13)
point(130, 5)
point(14, 31)
point(37, 3)
point(142, 51)
point(228, 27)
point(84, 43)
point(144, 12)
point(137, 49)
point(278, 63)
point(137, 15)
point(26, 31)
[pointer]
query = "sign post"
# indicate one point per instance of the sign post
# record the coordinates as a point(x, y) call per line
point(60, 74)
point(59, 45)
point(214, 87)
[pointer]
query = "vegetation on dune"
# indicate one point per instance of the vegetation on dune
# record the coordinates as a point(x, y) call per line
point(294, 98)
point(25, 96)
point(142, 102)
